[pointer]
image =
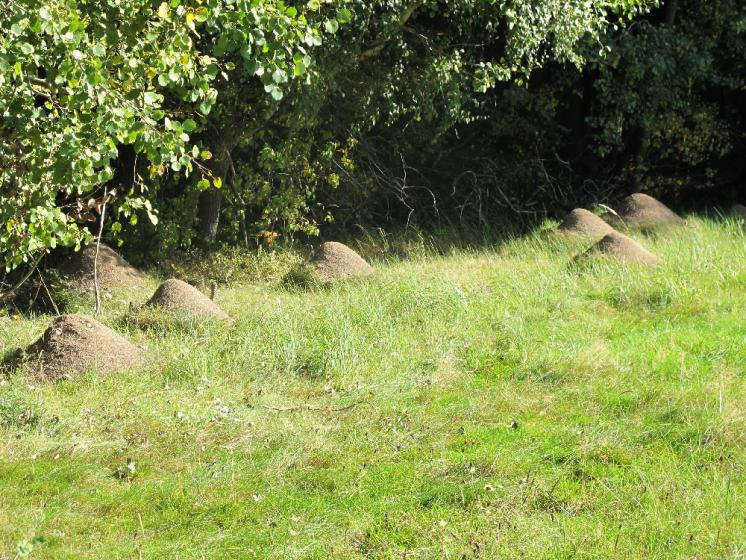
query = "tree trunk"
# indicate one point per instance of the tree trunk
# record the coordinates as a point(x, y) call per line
point(210, 203)
point(244, 229)
point(639, 155)
point(672, 7)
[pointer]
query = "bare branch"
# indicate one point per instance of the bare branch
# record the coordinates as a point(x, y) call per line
point(10, 294)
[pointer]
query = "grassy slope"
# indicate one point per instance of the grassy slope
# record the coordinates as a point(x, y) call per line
point(375, 420)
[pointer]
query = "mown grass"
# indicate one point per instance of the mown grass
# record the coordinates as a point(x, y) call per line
point(493, 402)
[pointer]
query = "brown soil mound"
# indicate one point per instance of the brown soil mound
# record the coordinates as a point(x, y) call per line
point(178, 296)
point(585, 223)
point(623, 249)
point(113, 270)
point(643, 211)
point(738, 210)
point(335, 261)
point(74, 345)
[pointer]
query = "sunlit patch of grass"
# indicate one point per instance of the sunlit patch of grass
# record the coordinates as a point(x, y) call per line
point(477, 398)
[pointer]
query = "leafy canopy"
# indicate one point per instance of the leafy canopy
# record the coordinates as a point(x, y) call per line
point(80, 79)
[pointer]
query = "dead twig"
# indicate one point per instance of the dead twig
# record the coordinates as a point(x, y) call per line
point(98, 311)
point(49, 295)
point(308, 407)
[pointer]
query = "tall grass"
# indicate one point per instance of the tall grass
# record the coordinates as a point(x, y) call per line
point(479, 398)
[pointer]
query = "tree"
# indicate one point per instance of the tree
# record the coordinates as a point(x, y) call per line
point(668, 105)
point(188, 85)
point(79, 79)
point(422, 66)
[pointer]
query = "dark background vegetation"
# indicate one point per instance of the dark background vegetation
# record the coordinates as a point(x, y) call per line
point(394, 130)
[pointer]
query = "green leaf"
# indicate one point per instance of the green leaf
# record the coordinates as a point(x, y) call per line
point(202, 14)
point(164, 10)
point(344, 15)
point(189, 125)
point(275, 91)
point(280, 76)
point(151, 98)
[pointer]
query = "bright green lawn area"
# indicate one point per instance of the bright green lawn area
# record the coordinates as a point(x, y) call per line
point(487, 403)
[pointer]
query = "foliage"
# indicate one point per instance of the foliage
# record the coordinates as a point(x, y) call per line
point(659, 108)
point(321, 116)
point(79, 79)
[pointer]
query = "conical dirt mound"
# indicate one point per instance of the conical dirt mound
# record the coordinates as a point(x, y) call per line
point(113, 270)
point(74, 345)
point(334, 261)
point(623, 249)
point(178, 296)
point(584, 223)
point(642, 211)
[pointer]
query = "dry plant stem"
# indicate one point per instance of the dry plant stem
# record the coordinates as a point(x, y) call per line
point(311, 408)
point(49, 295)
point(98, 311)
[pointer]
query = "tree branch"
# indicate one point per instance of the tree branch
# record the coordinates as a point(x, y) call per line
point(379, 45)
point(10, 294)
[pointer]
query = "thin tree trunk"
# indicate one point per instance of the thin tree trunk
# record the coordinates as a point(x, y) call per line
point(672, 6)
point(97, 311)
point(210, 204)
point(13, 290)
point(244, 230)
point(211, 201)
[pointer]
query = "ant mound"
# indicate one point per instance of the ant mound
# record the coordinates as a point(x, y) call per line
point(623, 249)
point(179, 297)
point(334, 261)
point(643, 211)
point(583, 223)
point(74, 345)
point(112, 270)
point(738, 210)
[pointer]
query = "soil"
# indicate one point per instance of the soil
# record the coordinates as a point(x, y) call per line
point(178, 296)
point(645, 212)
point(74, 345)
point(738, 210)
point(624, 249)
point(584, 223)
point(113, 270)
point(334, 261)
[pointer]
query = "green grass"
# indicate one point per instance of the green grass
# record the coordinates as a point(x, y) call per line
point(493, 402)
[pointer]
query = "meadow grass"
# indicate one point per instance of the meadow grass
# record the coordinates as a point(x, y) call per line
point(487, 400)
